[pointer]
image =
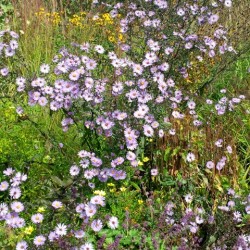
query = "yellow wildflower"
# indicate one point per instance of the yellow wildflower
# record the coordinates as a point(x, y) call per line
point(140, 163)
point(140, 202)
point(110, 184)
point(41, 209)
point(28, 230)
point(123, 189)
point(100, 192)
point(112, 190)
point(111, 39)
point(145, 159)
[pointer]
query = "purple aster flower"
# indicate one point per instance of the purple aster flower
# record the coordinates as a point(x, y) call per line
point(15, 192)
point(210, 164)
point(22, 245)
point(9, 52)
point(96, 225)
point(43, 101)
point(14, 34)
point(39, 240)
point(213, 19)
point(17, 206)
point(90, 209)
point(74, 170)
point(4, 71)
point(131, 156)
point(4, 185)
point(53, 236)
point(98, 200)
point(37, 218)
point(96, 162)
point(3, 209)
point(154, 171)
point(91, 64)
point(61, 229)
point(79, 234)
point(57, 204)
point(148, 130)
point(74, 76)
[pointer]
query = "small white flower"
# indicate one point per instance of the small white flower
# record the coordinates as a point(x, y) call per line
point(190, 157)
point(61, 229)
point(228, 3)
point(87, 246)
point(113, 222)
point(45, 68)
point(188, 198)
point(99, 49)
point(57, 204)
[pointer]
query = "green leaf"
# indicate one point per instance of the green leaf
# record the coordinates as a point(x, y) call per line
point(135, 186)
point(167, 154)
point(56, 180)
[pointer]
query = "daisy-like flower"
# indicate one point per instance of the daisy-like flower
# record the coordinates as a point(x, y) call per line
point(4, 185)
point(191, 104)
point(39, 240)
point(96, 225)
point(22, 245)
point(180, 12)
point(17, 206)
point(148, 131)
point(74, 170)
point(4, 71)
point(52, 236)
point(87, 246)
point(228, 3)
point(154, 171)
point(190, 157)
point(37, 218)
point(130, 156)
point(113, 222)
point(193, 227)
point(90, 209)
point(210, 164)
point(79, 234)
point(15, 192)
point(3, 209)
point(8, 171)
point(199, 220)
point(98, 199)
point(237, 216)
point(91, 64)
point(13, 44)
point(44, 68)
point(42, 101)
point(61, 229)
point(57, 204)
point(213, 19)
point(99, 49)
point(74, 76)
point(188, 198)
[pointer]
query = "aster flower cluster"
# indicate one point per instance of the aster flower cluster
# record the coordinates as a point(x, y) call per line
point(10, 212)
point(92, 166)
point(141, 99)
point(8, 47)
